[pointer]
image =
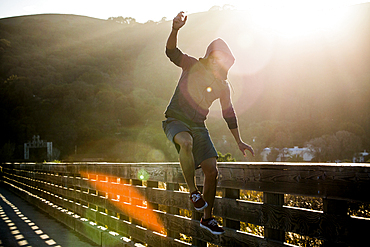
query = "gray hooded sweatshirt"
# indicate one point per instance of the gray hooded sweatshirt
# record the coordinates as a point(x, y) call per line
point(198, 88)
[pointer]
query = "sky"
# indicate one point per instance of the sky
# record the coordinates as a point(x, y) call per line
point(144, 11)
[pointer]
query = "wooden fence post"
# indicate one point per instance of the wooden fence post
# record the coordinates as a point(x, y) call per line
point(151, 184)
point(232, 194)
point(172, 210)
point(334, 207)
point(136, 201)
point(276, 200)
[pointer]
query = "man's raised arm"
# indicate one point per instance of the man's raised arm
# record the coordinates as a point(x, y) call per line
point(177, 23)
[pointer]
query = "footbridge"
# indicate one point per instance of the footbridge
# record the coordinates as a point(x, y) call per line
point(146, 204)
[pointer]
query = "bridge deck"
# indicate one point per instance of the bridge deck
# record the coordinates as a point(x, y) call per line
point(109, 204)
point(22, 224)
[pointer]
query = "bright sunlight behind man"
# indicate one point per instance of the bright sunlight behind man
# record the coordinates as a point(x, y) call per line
point(301, 18)
point(262, 31)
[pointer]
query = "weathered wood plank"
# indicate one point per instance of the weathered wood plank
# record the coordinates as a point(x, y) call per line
point(250, 212)
point(330, 181)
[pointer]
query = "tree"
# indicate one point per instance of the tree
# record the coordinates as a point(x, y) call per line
point(123, 20)
point(339, 146)
point(7, 151)
point(164, 19)
point(4, 45)
point(215, 8)
point(225, 158)
point(228, 7)
point(325, 148)
point(349, 144)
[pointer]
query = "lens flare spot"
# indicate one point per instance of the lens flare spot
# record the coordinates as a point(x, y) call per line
point(156, 155)
point(134, 209)
point(143, 175)
point(209, 89)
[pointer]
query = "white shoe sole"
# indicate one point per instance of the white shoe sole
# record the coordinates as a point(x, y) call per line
point(200, 209)
point(215, 233)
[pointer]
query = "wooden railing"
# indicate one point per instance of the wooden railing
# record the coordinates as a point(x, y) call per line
point(142, 204)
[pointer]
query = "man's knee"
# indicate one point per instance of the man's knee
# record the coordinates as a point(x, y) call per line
point(184, 140)
point(187, 144)
point(209, 168)
point(213, 172)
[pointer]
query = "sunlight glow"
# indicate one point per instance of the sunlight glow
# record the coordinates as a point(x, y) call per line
point(300, 18)
point(263, 27)
point(292, 22)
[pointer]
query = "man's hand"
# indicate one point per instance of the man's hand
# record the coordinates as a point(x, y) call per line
point(243, 146)
point(179, 21)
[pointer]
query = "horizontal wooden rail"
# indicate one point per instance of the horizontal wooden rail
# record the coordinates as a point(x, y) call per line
point(114, 201)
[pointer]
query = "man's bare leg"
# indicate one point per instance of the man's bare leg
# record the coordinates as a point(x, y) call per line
point(185, 140)
point(210, 171)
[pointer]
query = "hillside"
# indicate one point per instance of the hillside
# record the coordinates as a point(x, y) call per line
point(100, 88)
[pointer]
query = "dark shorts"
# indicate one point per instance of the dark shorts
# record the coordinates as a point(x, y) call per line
point(203, 147)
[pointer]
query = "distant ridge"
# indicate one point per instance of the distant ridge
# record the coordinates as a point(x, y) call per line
point(50, 17)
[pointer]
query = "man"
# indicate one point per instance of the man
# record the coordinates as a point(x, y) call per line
point(202, 82)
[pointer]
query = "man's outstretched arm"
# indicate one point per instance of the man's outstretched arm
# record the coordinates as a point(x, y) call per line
point(177, 23)
point(242, 146)
point(229, 113)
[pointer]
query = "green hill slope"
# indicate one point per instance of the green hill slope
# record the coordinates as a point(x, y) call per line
point(99, 88)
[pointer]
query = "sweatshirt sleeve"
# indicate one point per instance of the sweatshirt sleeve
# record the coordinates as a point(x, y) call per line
point(228, 111)
point(230, 117)
point(179, 58)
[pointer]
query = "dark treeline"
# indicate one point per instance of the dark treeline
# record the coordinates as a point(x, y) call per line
point(98, 88)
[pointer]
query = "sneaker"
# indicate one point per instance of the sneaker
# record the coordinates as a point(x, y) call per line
point(212, 226)
point(198, 201)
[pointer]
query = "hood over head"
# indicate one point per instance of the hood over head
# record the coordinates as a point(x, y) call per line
point(220, 45)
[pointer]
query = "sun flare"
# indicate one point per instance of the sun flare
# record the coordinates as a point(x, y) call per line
point(293, 22)
point(299, 18)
